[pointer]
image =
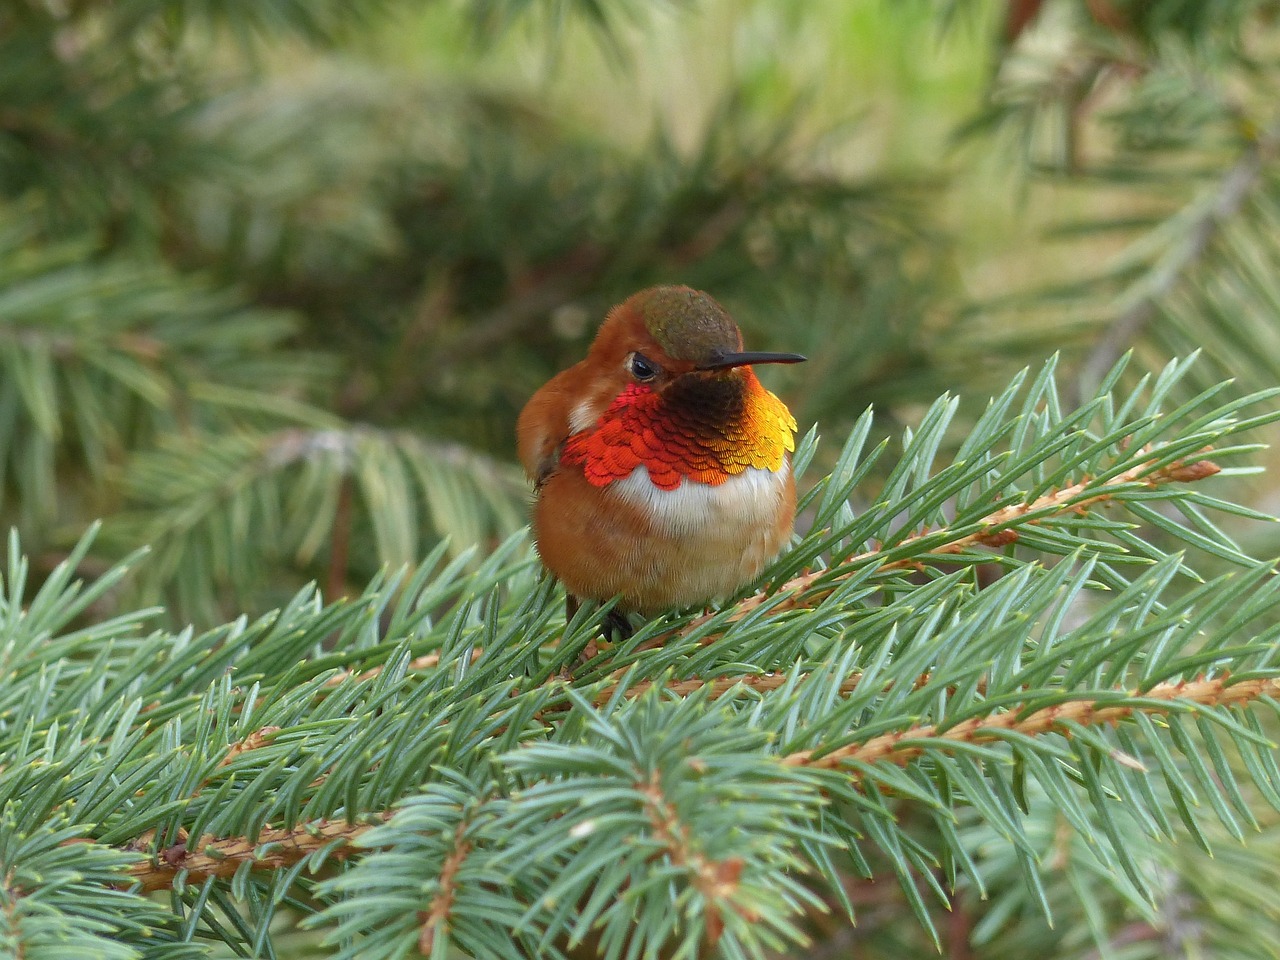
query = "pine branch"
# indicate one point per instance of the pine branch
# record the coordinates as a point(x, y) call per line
point(902, 747)
point(300, 491)
point(714, 688)
point(259, 738)
point(279, 848)
point(271, 850)
point(716, 880)
point(997, 529)
point(436, 917)
point(693, 797)
point(1237, 183)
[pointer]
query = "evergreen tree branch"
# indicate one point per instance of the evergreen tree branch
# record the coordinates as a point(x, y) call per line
point(364, 731)
point(303, 491)
point(903, 746)
point(716, 880)
point(1237, 183)
point(259, 738)
point(714, 688)
point(281, 848)
point(436, 916)
point(997, 529)
point(221, 857)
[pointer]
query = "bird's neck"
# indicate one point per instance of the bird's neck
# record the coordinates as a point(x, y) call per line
point(700, 429)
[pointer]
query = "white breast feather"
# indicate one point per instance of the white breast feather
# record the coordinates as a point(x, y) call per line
point(750, 497)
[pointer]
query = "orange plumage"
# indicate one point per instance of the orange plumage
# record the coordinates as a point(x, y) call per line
point(660, 462)
point(742, 426)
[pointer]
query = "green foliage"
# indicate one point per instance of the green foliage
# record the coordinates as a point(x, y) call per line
point(102, 357)
point(271, 298)
point(213, 257)
point(196, 502)
point(1160, 118)
point(412, 769)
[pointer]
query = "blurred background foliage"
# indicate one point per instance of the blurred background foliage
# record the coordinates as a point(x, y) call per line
point(275, 279)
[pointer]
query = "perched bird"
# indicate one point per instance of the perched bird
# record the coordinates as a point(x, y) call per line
point(661, 465)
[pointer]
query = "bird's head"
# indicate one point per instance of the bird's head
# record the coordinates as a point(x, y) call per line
point(677, 342)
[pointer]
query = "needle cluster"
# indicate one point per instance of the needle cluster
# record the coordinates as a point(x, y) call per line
point(410, 773)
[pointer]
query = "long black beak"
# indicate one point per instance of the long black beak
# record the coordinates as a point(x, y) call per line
point(725, 360)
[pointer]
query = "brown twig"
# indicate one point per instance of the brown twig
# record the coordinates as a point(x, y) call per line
point(1247, 172)
point(10, 907)
point(273, 850)
point(436, 916)
point(221, 857)
point(532, 296)
point(336, 576)
point(900, 748)
point(276, 849)
point(716, 880)
point(259, 738)
point(428, 661)
point(994, 531)
point(760, 682)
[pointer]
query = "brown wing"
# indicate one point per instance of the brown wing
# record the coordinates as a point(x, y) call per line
point(543, 427)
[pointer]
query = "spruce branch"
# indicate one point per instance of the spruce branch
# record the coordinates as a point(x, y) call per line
point(259, 738)
point(221, 857)
point(903, 746)
point(695, 797)
point(278, 848)
point(997, 529)
point(436, 917)
point(303, 491)
point(714, 688)
point(1237, 183)
point(716, 880)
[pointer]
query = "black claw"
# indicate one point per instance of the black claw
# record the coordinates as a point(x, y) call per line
point(616, 627)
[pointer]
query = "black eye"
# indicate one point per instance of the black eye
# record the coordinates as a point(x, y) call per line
point(641, 367)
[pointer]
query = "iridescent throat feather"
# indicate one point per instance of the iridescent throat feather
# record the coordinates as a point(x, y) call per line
point(706, 429)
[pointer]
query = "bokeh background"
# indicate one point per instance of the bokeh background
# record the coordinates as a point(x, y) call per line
point(275, 278)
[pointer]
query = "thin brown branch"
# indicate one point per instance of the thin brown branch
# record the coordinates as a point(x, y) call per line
point(531, 297)
point(902, 746)
point(259, 738)
point(716, 880)
point(1239, 181)
point(404, 374)
point(9, 907)
point(273, 850)
point(1019, 14)
point(428, 661)
point(719, 686)
point(713, 232)
point(436, 916)
point(994, 531)
point(336, 577)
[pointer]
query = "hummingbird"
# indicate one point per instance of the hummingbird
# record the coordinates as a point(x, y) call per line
point(661, 466)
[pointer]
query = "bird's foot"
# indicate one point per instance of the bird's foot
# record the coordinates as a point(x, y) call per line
point(616, 627)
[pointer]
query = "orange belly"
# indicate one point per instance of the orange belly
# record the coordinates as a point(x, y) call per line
point(662, 549)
